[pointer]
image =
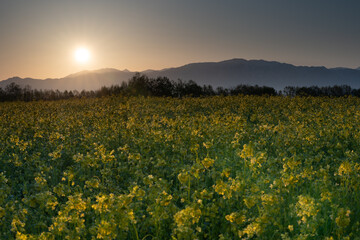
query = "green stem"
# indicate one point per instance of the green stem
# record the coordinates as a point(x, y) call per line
point(189, 185)
point(136, 233)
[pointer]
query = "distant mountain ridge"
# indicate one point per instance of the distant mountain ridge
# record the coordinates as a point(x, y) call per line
point(84, 80)
point(233, 72)
point(229, 73)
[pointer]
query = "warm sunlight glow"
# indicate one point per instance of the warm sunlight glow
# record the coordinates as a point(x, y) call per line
point(82, 55)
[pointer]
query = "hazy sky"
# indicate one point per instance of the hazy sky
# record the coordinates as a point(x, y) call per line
point(38, 37)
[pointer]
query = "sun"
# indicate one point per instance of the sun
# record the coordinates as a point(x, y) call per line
point(82, 55)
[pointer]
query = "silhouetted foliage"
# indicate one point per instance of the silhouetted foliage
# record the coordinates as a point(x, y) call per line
point(253, 90)
point(208, 90)
point(222, 91)
point(13, 91)
point(138, 85)
point(315, 91)
point(161, 87)
point(141, 85)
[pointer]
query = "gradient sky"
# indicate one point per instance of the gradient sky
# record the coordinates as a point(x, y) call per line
point(38, 37)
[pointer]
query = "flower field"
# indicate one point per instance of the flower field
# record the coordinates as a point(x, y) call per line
point(194, 168)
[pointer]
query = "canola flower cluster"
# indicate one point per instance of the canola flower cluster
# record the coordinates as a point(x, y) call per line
point(238, 167)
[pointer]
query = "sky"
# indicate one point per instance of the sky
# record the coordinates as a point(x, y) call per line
point(38, 38)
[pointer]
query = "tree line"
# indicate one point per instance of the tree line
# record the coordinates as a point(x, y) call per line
point(141, 85)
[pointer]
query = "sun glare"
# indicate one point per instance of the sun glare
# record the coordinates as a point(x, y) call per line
point(82, 55)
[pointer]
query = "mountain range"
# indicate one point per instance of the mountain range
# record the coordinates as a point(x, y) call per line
point(227, 74)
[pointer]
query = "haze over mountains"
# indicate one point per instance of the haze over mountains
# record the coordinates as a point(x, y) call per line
point(227, 74)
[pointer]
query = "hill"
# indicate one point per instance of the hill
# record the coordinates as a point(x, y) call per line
point(229, 73)
point(264, 73)
point(85, 80)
